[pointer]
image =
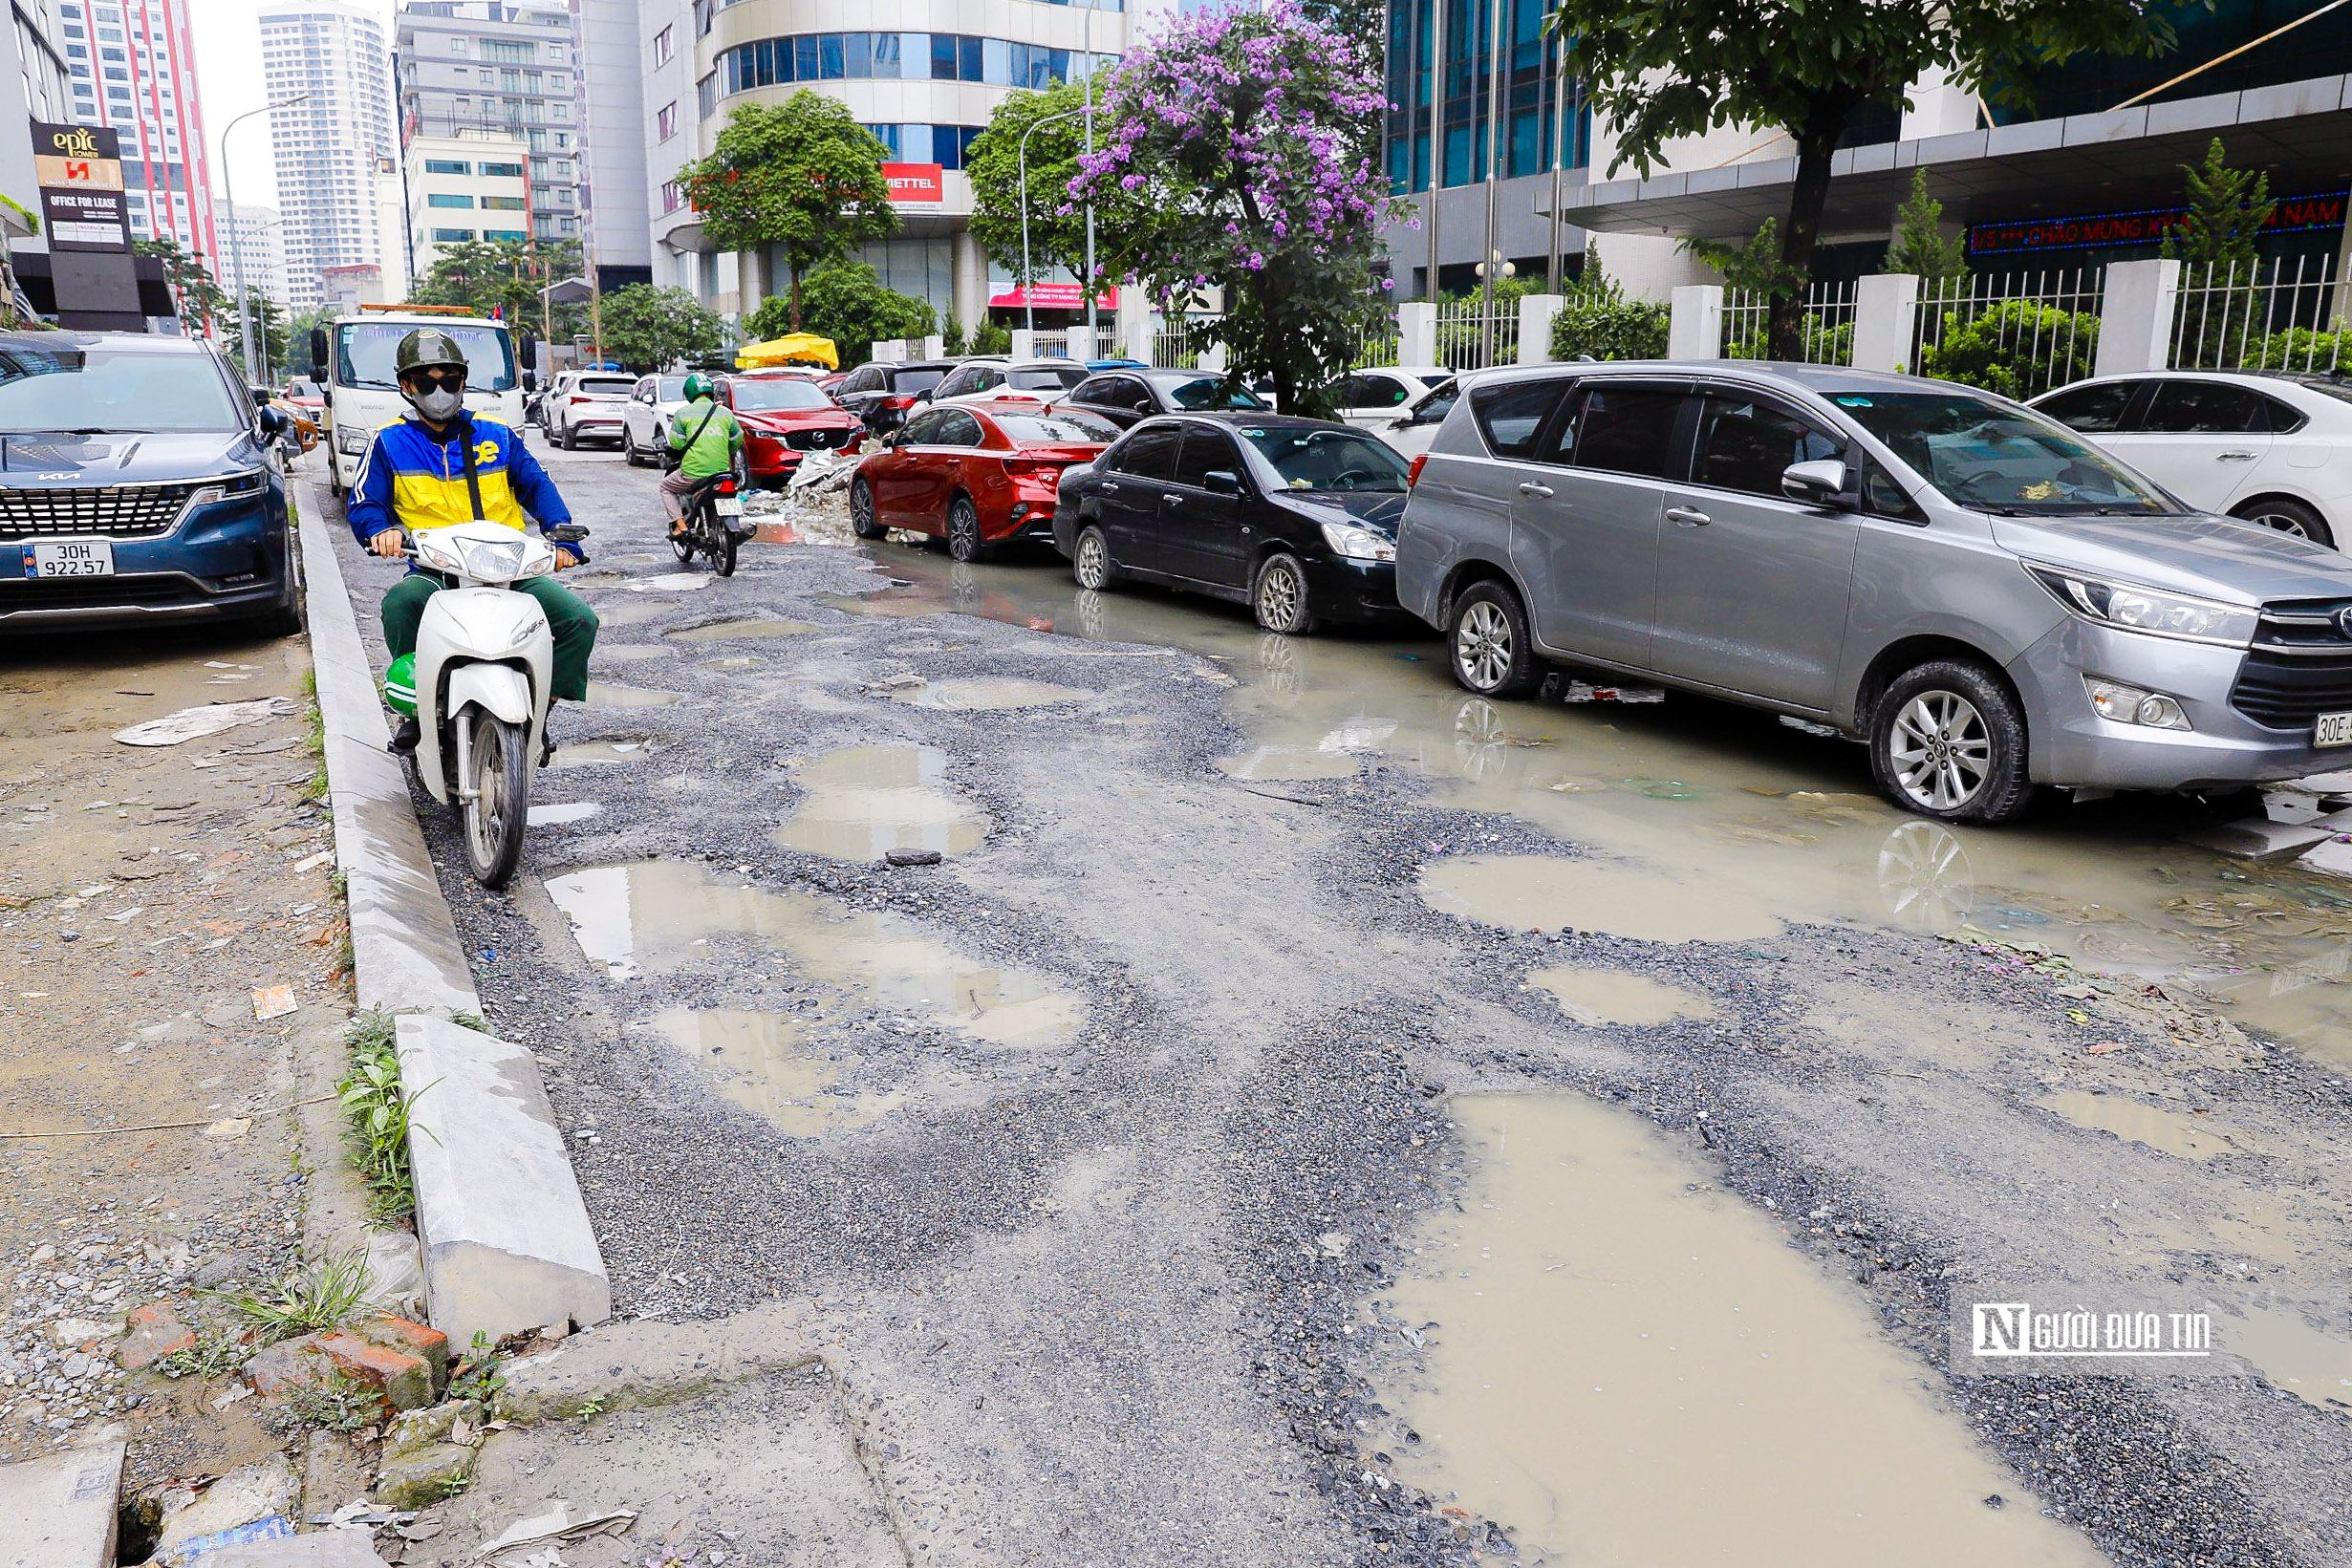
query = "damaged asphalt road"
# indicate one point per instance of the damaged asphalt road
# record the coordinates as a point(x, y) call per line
point(1102, 1149)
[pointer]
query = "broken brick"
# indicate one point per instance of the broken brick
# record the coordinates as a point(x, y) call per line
point(404, 1380)
point(428, 1344)
point(287, 1365)
point(156, 1331)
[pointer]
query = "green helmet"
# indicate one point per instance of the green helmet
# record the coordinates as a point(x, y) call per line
point(426, 346)
point(698, 385)
point(401, 685)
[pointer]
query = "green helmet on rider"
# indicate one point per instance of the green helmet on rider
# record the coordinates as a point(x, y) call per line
point(698, 385)
point(431, 370)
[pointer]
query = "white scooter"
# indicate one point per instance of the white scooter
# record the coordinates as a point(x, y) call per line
point(485, 657)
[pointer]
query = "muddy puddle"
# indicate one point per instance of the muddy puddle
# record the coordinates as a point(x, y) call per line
point(760, 1061)
point(613, 694)
point(2176, 1132)
point(1630, 1368)
point(730, 630)
point(655, 916)
point(1762, 823)
point(1526, 893)
point(863, 802)
point(1612, 995)
point(987, 693)
point(601, 753)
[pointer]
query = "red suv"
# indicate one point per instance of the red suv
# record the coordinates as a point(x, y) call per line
point(786, 417)
point(981, 474)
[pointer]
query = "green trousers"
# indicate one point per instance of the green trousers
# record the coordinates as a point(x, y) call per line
point(569, 618)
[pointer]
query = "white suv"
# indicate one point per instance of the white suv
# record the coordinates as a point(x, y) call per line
point(991, 381)
point(2271, 448)
point(586, 404)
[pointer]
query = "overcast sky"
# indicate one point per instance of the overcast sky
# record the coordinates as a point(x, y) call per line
point(228, 75)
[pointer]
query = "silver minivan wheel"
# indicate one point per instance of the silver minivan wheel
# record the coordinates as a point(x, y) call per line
point(1941, 752)
point(1488, 644)
point(1947, 739)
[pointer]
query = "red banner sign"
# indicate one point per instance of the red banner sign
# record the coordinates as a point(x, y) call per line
point(1052, 296)
point(916, 182)
point(2146, 228)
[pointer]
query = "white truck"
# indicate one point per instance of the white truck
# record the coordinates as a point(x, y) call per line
point(351, 359)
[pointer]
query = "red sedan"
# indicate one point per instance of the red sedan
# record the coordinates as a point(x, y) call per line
point(979, 474)
point(784, 418)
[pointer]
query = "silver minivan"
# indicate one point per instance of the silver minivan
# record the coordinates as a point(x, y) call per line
point(1984, 600)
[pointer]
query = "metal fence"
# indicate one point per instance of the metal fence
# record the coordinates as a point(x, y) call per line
point(2017, 334)
point(1471, 338)
point(2280, 314)
point(1168, 350)
point(1828, 324)
point(1378, 346)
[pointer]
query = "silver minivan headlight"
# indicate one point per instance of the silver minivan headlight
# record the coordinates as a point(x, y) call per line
point(2131, 608)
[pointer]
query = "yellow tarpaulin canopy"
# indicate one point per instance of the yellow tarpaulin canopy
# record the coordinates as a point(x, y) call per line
point(791, 349)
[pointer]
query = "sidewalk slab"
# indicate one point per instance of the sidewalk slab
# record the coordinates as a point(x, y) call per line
point(59, 1512)
point(406, 956)
point(507, 1245)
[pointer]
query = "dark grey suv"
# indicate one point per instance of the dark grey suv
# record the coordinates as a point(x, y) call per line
point(1983, 598)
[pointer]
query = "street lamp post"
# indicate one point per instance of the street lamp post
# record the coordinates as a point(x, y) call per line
point(1029, 279)
point(1094, 338)
point(236, 250)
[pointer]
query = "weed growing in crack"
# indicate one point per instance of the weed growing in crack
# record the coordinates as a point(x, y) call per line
point(476, 1375)
point(302, 1301)
point(217, 1352)
point(377, 1111)
point(338, 1401)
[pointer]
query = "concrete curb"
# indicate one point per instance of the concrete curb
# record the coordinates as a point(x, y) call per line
point(405, 953)
point(59, 1512)
point(505, 1236)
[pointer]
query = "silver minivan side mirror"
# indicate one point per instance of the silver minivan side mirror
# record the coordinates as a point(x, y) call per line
point(1819, 484)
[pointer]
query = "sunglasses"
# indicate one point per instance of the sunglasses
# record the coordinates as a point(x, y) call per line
point(447, 378)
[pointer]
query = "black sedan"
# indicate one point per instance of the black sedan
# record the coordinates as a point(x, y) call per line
point(1127, 396)
point(1296, 518)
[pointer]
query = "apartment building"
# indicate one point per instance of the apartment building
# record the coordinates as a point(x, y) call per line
point(132, 67)
point(474, 184)
point(254, 247)
point(612, 192)
point(509, 69)
point(2090, 172)
point(926, 94)
point(334, 57)
point(35, 90)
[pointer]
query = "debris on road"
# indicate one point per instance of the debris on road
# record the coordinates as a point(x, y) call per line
point(194, 723)
point(274, 1001)
point(558, 1525)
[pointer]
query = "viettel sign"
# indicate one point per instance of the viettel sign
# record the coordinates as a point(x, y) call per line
point(916, 182)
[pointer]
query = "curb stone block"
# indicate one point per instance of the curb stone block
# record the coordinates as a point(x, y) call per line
point(156, 1331)
point(413, 1430)
point(425, 1476)
point(59, 1512)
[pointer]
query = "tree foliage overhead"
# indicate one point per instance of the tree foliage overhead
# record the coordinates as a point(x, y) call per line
point(272, 327)
point(1663, 69)
point(505, 277)
point(1247, 143)
point(203, 301)
point(802, 176)
point(2227, 210)
point(649, 328)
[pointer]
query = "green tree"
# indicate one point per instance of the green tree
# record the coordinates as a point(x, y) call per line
point(1057, 223)
point(1755, 267)
point(506, 277)
point(1920, 248)
point(647, 329)
point(801, 176)
point(200, 299)
point(276, 334)
point(2227, 209)
point(849, 303)
point(1597, 321)
point(1663, 69)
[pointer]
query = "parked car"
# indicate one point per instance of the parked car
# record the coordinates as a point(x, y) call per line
point(1980, 596)
point(1038, 382)
point(308, 395)
point(2272, 448)
point(784, 418)
point(1411, 430)
point(1370, 398)
point(977, 475)
point(1295, 518)
point(881, 393)
point(1127, 397)
point(645, 422)
point(586, 405)
point(138, 487)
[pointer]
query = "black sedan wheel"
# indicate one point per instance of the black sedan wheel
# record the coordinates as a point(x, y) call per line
point(862, 522)
point(1280, 596)
point(1489, 645)
point(1090, 562)
point(964, 540)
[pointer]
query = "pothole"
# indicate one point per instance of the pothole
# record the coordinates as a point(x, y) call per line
point(2173, 1133)
point(612, 693)
point(987, 693)
point(1612, 995)
point(1521, 892)
point(730, 630)
point(864, 802)
point(761, 1061)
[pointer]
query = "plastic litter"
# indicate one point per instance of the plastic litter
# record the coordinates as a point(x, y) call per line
point(557, 1524)
point(195, 723)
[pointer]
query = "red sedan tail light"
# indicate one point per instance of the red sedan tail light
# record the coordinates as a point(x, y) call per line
point(1412, 471)
point(1031, 466)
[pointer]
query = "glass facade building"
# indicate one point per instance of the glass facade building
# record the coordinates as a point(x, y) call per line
point(1452, 56)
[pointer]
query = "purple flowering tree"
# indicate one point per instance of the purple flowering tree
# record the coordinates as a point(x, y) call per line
point(1251, 141)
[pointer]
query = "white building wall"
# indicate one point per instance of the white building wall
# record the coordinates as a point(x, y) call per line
point(508, 66)
point(474, 186)
point(612, 117)
point(34, 88)
point(254, 246)
point(327, 146)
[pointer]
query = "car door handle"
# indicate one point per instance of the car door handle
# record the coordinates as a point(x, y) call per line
point(1541, 492)
point(2235, 456)
point(1172, 500)
point(1688, 517)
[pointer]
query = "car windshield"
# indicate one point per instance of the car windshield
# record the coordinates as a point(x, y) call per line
point(778, 395)
point(1312, 458)
point(1046, 378)
point(669, 389)
point(300, 388)
point(1208, 392)
point(917, 380)
point(1058, 429)
point(365, 348)
point(2005, 460)
point(96, 389)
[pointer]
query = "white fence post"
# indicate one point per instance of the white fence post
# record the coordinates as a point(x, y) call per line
point(1024, 343)
point(1536, 315)
point(1416, 333)
point(1886, 316)
point(1135, 333)
point(934, 347)
point(1080, 343)
point(1694, 331)
point(2135, 320)
point(1213, 359)
point(887, 351)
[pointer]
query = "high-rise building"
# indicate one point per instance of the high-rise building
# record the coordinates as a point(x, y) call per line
point(254, 249)
point(332, 55)
point(35, 90)
point(926, 95)
point(133, 68)
point(509, 67)
point(612, 106)
point(474, 184)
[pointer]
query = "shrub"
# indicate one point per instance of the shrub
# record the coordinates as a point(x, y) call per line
point(2017, 347)
point(1823, 345)
point(1599, 322)
point(2299, 348)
